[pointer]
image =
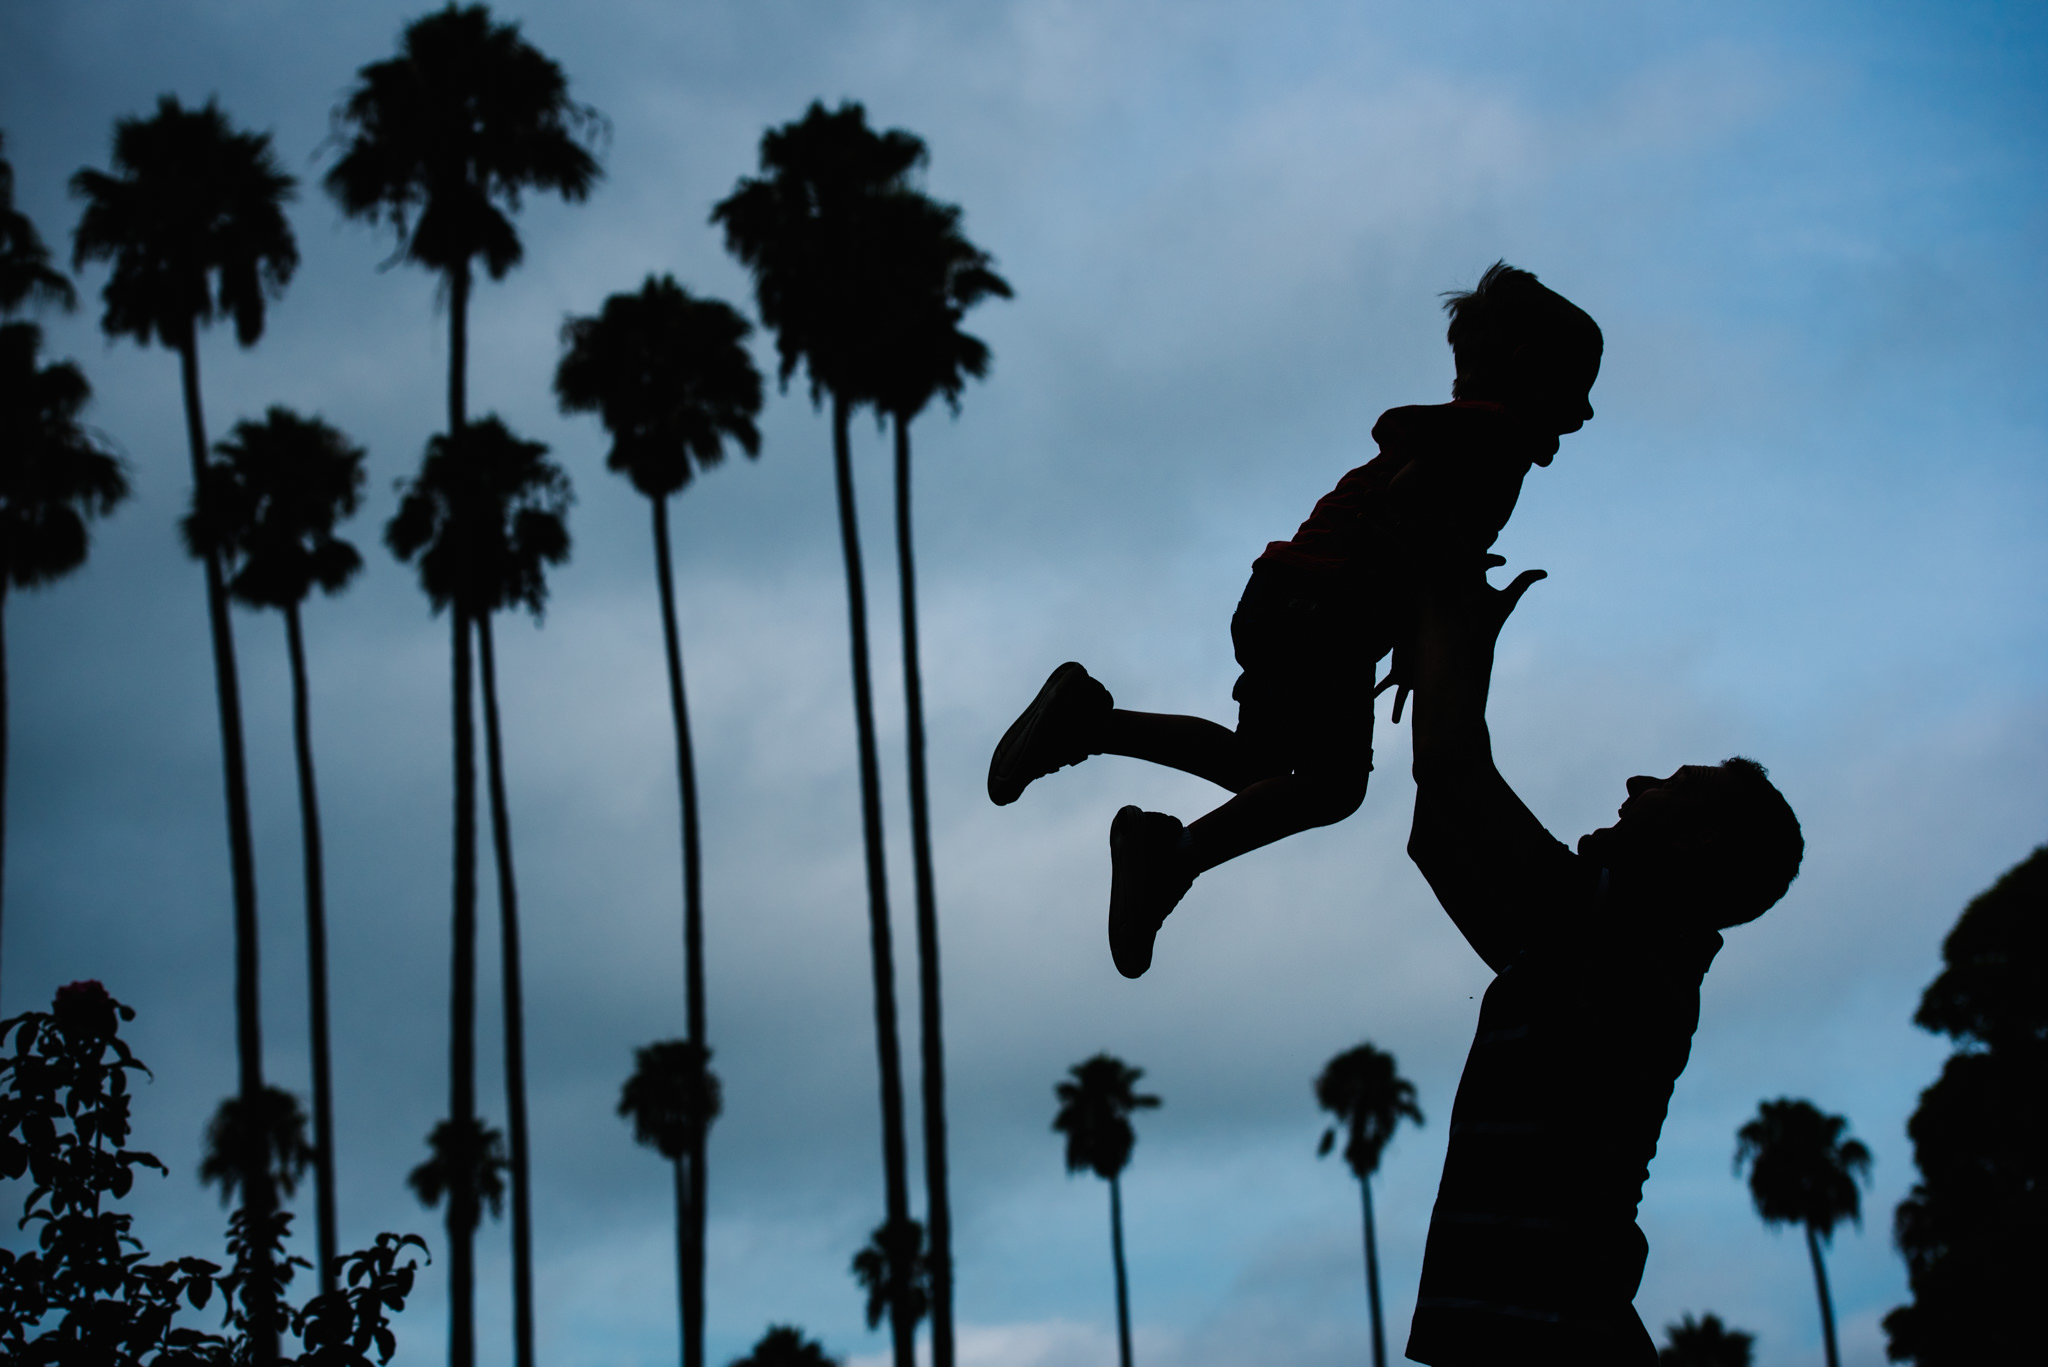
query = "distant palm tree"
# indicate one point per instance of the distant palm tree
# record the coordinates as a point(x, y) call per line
point(192, 219)
point(1095, 1116)
point(893, 1269)
point(784, 1345)
point(441, 140)
point(1802, 1171)
point(55, 475)
point(462, 1158)
point(484, 517)
point(1369, 1098)
point(1705, 1343)
point(267, 509)
point(669, 377)
point(926, 278)
point(807, 231)
point(26, 274)
point(672, 1098)
point(276, 1139)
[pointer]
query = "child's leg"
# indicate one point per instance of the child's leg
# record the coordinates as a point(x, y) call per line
point(1193, 745)
point(1270, 804)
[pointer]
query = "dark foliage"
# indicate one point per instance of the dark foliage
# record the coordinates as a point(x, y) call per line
point(192, 219)
point(440, 140)
point(55, 474)
point(672, 1096)
point(87, 1293)
point(1369, 1098)
point(893, 1270)
point(268, 506)
point(1801, 1169)
point(810, 230)
point(1974, 1229)
point(484, 516)
point(277, 1131)
point(1095, 1114)
point(475, 1149)
point(670, 377)
point(784, 1345)
point(26, 274)
point(1705, 1342)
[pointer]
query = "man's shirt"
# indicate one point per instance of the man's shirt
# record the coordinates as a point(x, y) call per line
point(1534, 1255)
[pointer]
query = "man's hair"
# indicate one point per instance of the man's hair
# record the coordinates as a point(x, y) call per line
point(1509, 313)
point(1760, 838)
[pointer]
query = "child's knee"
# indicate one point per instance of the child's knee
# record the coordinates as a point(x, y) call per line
point(1332, 797)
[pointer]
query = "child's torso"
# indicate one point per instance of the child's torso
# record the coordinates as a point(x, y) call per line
point(1444, 484)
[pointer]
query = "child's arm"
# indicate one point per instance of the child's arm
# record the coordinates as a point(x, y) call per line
point(1492, 865)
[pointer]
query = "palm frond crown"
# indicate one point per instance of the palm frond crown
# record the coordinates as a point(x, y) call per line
point(192, 219)
point(668, 374)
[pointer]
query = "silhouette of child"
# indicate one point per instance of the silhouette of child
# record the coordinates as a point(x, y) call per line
point(1322, 609)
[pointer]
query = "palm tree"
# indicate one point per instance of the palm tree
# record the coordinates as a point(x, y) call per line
point(784, 1345)
point(267, 510)
point(484, 516)
point(1095, 1115)
point(928, 275)
point(275, 1138)
point(669, 377)
point(1705, 1342)
point(672, 1098)
point(893, 1269)
point(441, 140)
point(806, 230)
point(1803, 1171)
point(55, 475)
point(1369, 1098)
point(26, 274)
point(192, 220)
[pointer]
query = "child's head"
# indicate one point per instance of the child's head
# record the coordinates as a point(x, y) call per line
point(1525, 346)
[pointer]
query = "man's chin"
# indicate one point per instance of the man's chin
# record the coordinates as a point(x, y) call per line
point(1598, 846)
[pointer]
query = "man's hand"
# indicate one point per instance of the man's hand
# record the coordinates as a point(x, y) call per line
point(1459, 621)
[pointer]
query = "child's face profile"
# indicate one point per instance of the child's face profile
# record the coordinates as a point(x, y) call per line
point(1558, 393)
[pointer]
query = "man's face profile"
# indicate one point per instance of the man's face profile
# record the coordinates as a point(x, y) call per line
point(1665, 826)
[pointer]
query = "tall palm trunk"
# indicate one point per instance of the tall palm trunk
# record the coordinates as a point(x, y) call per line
point(316, 951)
point(683, 1225)
point(1372, 1278)
point(462, 1194)
point(458, 349)
point(1827, 1308)
point(903, 1326)
point(259, 1199)
point(515, 1009)
point(938, 1206)
point(1123, 1290)
point(690, 1171)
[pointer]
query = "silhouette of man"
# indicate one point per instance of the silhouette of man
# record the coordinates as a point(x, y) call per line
point(1534, 1255)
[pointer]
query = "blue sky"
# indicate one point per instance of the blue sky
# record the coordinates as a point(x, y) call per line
point(1805, 525)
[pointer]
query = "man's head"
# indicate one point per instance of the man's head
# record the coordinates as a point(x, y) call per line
point(1520, 344)
point(1718, 841)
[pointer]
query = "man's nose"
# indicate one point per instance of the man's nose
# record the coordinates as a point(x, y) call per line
point(1640, 783)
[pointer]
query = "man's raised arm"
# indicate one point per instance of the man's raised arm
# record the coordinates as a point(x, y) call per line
point(1492, 865)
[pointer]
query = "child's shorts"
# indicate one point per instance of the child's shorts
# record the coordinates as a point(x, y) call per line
point(1305, 696)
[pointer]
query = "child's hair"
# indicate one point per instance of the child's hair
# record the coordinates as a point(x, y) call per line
point(1508, 313)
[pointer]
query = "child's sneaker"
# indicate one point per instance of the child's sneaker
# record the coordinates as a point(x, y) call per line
point(1145, 884)
point(1059, 728)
